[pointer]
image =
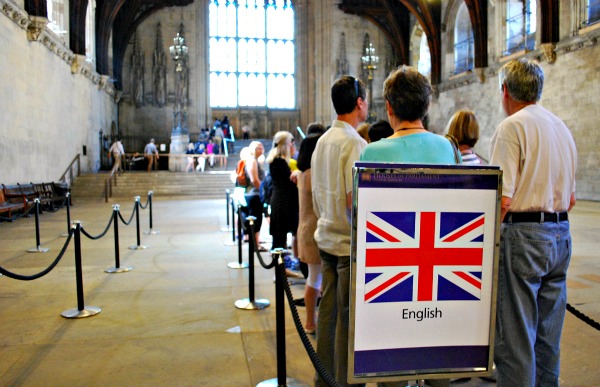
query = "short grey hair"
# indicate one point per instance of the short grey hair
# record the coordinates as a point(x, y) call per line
point(524, 79)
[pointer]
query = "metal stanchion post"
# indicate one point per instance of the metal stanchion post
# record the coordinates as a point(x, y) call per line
point(38, 248)
point(82, 310)
point(139, 246)
point(151, 231)
point(228, 228)
point(251, 303)
point(117, 268)
point(281, 379)
point(239, 264)
point(232, 221)
point(68, 202)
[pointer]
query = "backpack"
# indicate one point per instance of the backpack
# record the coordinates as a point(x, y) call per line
point(241, 179)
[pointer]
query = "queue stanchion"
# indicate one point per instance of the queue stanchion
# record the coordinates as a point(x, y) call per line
point(232, 220)
point(239, 264)
point(281, 379)
point(68, 203)
point(139, 246)
point(233, 240)
point(251, 303)
point(117, 268)
point(151, 231)
point(228, 227)
point(81, 310)
point(38, 248)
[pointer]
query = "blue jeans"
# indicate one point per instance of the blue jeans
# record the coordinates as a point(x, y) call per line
point(532, 298)
point(334, 316)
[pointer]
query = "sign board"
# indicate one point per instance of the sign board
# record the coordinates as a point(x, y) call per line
point(423, 271)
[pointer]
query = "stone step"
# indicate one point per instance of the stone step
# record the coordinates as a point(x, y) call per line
point(164, 183)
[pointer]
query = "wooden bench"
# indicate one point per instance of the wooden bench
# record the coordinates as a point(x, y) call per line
point(58, 193)
point(32, 192)
point(10, 202)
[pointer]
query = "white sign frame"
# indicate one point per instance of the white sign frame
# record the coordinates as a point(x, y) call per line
point(399, 329)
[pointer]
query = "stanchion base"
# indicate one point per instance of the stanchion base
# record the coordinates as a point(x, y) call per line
point(151, 232)
point(245, 303)
point(138, 247)
point(289, 382)
point(88, 311)
point(113, 270)
point(224, 229)
point(230, 243)
point(237, 265)
point(64, 235)
point(38, 249)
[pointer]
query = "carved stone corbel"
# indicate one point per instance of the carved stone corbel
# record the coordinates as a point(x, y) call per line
point(36, 27)
point(480, 74)
point(76, 63)
point(548, 51)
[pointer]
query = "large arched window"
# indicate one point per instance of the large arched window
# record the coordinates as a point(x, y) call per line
point(252, 54)
point(424, 64)
point(464, 46)
point(521, 25)
point(90, 32)
point(590, 12)
point(58, 18)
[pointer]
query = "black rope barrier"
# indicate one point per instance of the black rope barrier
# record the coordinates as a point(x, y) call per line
point(583, 317)
point(43, 272)
point(251, 303)
point(38, 246)
point(282, 286)
point(127, 223)
point(102, 233)
point(312, 354)
point(232, 221)
point(82, 310)
point(24, 214)
point(117, 268)
point(136, 211)
point(149, 203)
point(68, 204)
point(239, 264)
point(143, 207)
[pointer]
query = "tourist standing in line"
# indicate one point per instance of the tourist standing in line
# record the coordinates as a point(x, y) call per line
point(407, 95)
point(463, 129)
point(151, 154)
point(331, 168)
point(538, 158)
point(308, 251)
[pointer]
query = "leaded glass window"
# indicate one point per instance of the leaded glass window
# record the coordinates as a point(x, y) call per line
point(464, 46)
point(252, 54)
point(521, 24)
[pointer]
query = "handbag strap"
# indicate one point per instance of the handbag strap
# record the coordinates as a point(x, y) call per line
point(454, 143)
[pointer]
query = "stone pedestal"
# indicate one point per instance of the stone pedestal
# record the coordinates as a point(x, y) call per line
point(179, 144)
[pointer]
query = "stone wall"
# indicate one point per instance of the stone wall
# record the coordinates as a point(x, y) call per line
point(53, 104)
point(570, 88)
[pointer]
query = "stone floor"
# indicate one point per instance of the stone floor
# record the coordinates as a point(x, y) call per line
point(171, 320)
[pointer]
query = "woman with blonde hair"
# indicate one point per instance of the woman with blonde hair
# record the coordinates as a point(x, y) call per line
point(284, 198)
point(255, 175)
point(463, 130)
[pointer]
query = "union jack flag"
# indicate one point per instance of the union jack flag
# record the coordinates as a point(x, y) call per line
point(423, 256)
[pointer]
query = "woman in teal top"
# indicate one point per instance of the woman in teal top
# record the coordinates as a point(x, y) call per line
point(407, 94)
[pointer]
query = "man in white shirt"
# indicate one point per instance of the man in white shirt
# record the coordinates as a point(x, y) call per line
point(331, 167)
point(117, 152)
point(537, 155)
